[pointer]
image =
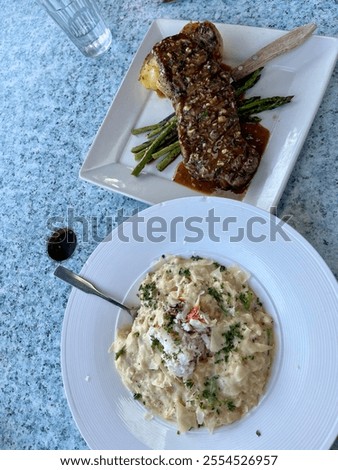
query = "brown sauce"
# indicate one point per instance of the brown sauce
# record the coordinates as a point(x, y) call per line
point(61, 244)
point(256, 135)
point(226, 67)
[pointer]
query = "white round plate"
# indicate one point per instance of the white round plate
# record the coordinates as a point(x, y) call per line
point(300, 407)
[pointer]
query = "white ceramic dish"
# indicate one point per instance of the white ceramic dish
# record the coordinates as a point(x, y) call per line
point(299, 409)
point(303, 72)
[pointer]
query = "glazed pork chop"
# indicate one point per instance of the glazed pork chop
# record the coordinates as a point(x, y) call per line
point(187, 68)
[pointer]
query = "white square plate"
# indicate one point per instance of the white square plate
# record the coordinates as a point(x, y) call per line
point(303, 72)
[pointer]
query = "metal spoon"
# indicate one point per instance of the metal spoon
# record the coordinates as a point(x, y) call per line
point(83, 284)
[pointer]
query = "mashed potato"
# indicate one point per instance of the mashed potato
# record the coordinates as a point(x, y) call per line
point(200, 349)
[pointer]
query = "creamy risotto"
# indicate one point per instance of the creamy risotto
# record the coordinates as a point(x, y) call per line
point(200, 349)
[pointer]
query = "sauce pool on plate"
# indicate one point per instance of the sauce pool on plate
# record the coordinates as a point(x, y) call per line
point(255, 134)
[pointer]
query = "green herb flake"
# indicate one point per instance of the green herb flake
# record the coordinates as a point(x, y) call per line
point(246, 299)
point(137, 396)
point(258, 301)
point(185, 272)
point(148, 290)
point(210, 393)
point(148, 293)
point(189, 383)
point(220, 266)
point(168, 326)
point(217, 295)
point(156, 344)
point(120, 353)
point(250, 357)
point(230, 405)
point(233, 333)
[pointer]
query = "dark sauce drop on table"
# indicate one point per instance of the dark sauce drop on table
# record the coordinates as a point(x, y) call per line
point(61, 244)
point(256, 135)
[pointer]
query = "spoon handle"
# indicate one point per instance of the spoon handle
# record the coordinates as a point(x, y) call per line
point(83, 284)
point(289, 41)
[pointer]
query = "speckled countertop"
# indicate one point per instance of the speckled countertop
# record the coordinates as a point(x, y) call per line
point(53, 100)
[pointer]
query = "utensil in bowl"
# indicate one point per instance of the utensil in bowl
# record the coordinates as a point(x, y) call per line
point(86, 286)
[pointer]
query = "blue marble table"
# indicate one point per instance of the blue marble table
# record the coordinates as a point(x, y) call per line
point(53, 100)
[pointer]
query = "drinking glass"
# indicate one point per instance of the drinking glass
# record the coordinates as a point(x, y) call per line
point(81, 20)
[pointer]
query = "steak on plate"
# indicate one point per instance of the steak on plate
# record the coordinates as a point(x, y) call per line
point(187, 68)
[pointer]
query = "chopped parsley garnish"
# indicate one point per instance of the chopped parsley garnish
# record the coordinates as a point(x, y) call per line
point(259, 302)
point(195, 258)
point(217, 295)
point(231, 406)
point(120, 352)
point(173, 355)
point(210, 392)
point(168, 326)
point(137, 396)
point(246, 358)
point(148, 293)
point(156, 344)
point(220, 266)
point(189, 383)
point(210, 398)
point(233, 333)
point(184, 272)
point(246, 298)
